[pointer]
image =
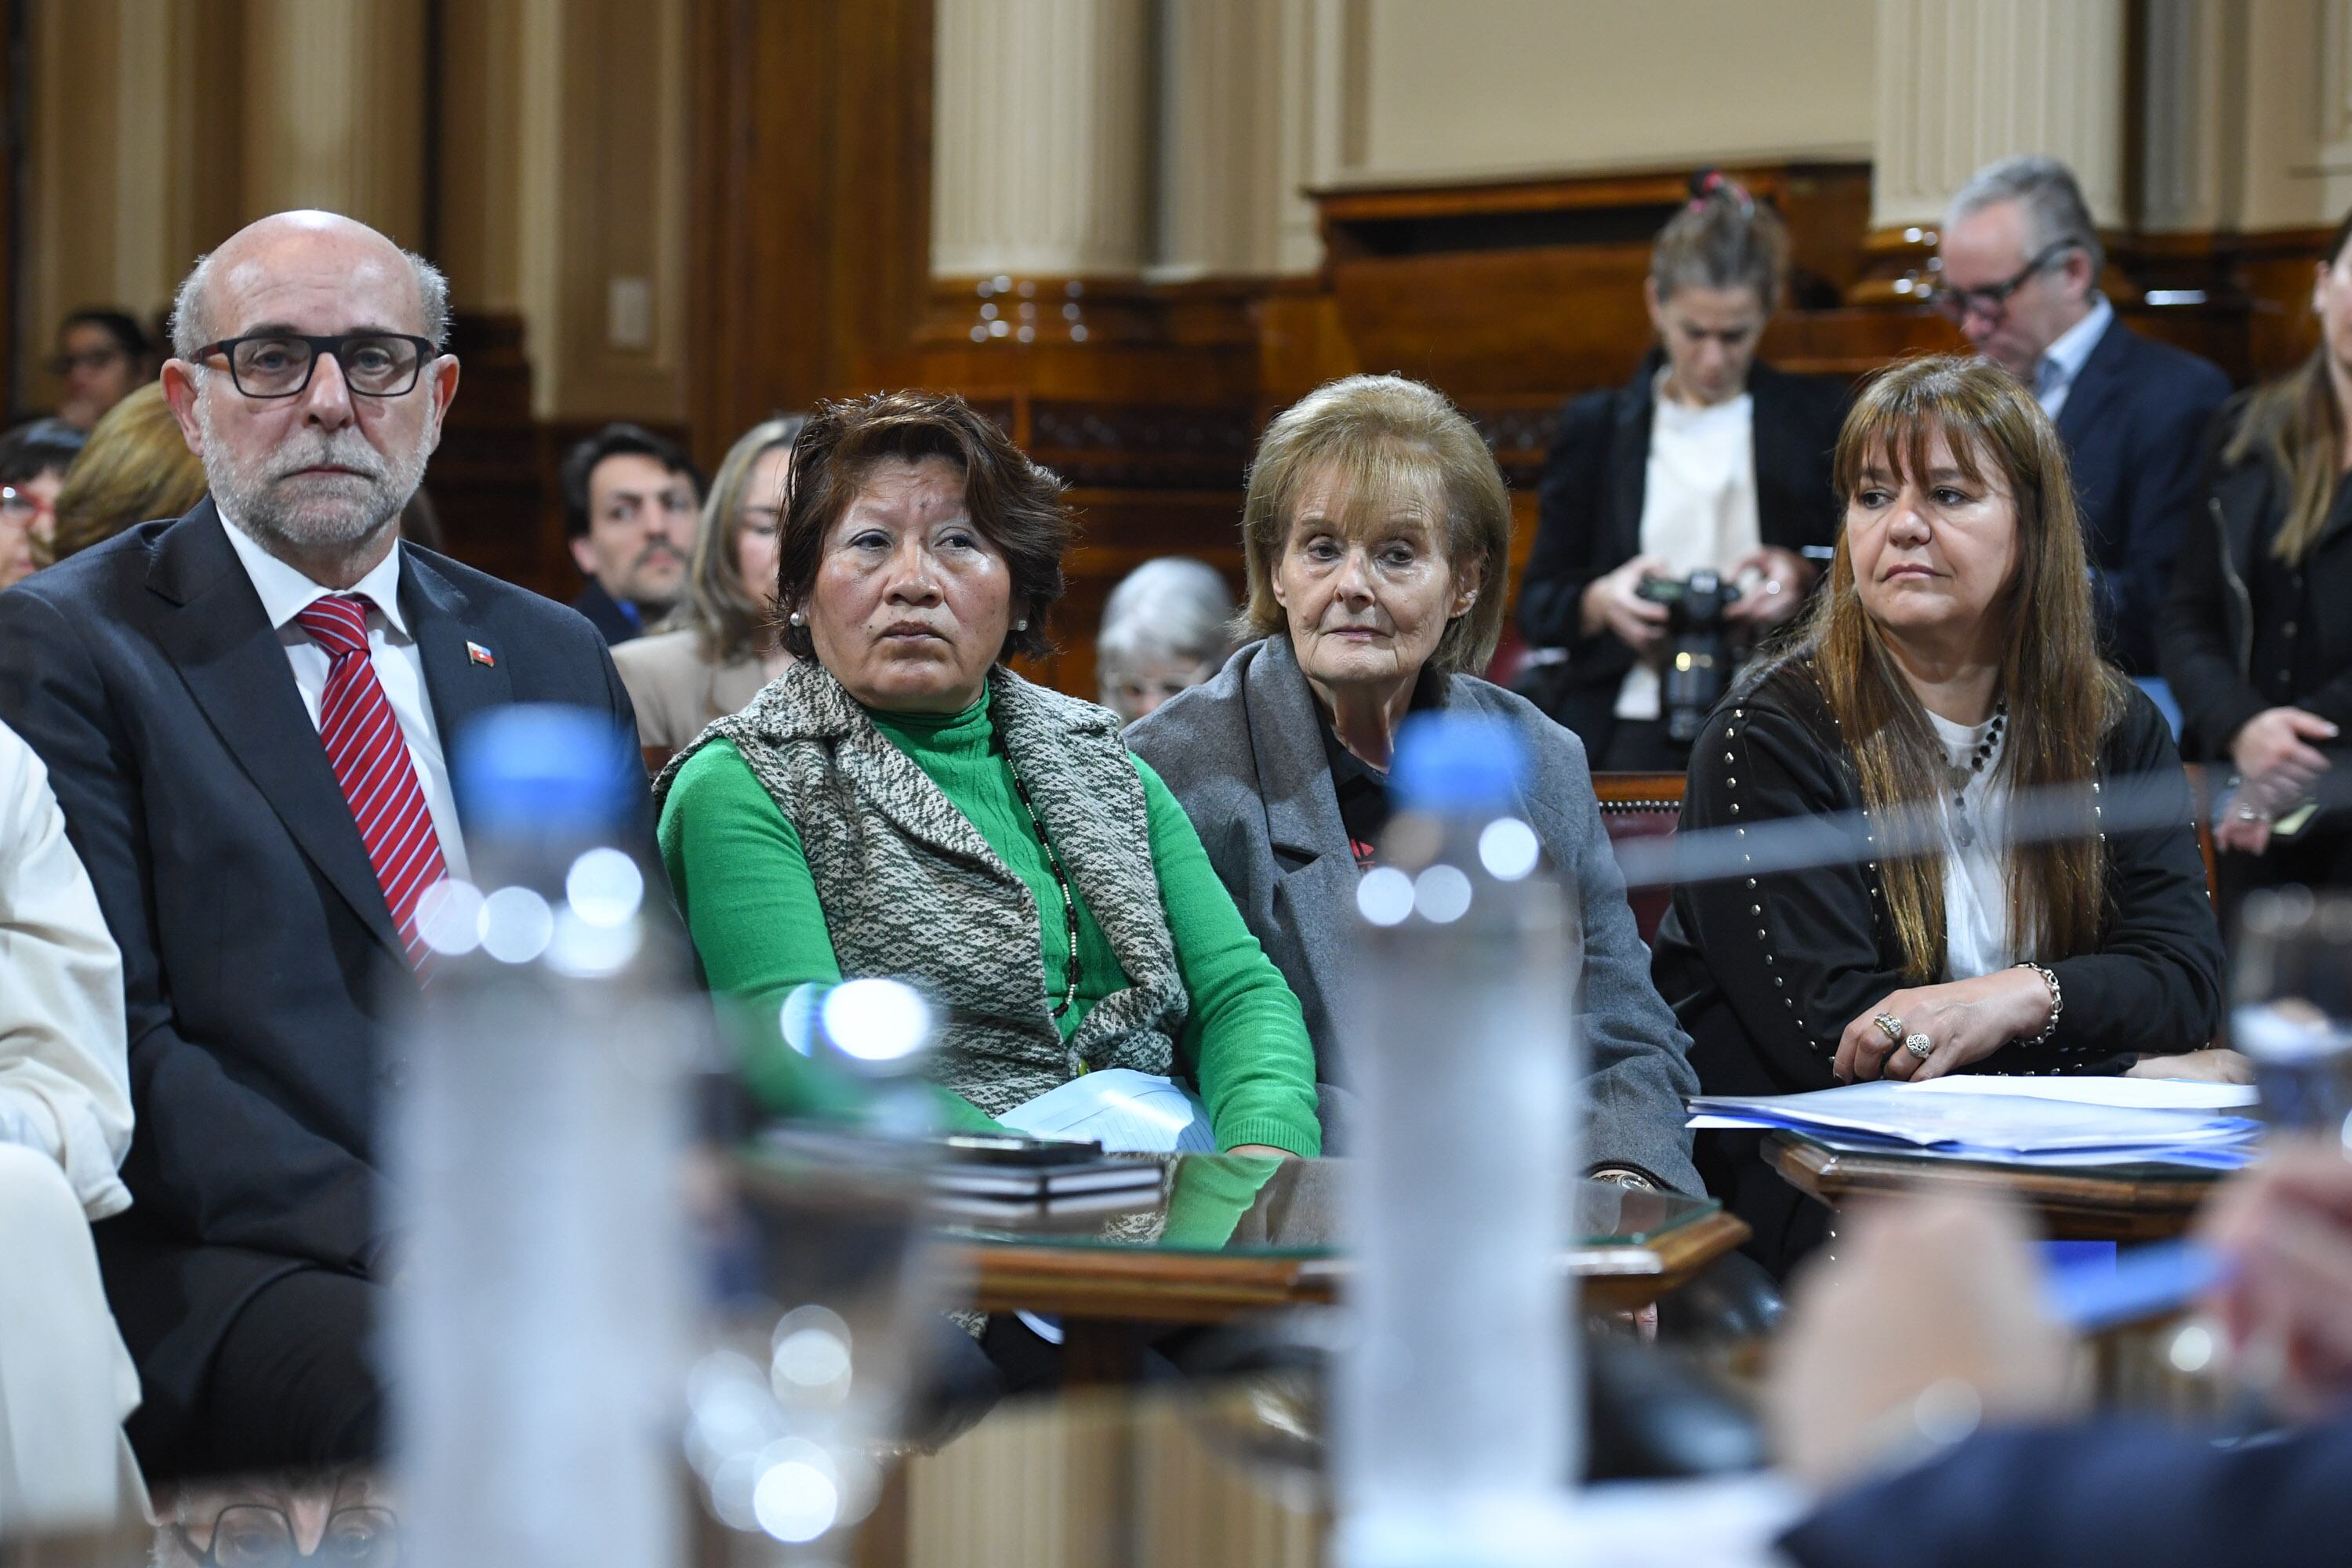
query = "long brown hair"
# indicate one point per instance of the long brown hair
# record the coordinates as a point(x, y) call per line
point(2061, 696)
point(2295, 423)
point(727, 615)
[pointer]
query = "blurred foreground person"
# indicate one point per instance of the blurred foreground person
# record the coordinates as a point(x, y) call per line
point(343, 1518)
point(2021, 278)
point(629, 500)
point(136, 467)
point(900, 802)
point(1949, 666)
point(1164, 630)
point(1706, 460)
point(2258, 633)
point(102, 354)
point(1921, 1375)
point(718, 645)
point(1377, 532)
point(65, 1381)
point(34, 461)
point(247, 715)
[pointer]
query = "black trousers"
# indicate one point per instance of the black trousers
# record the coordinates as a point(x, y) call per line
point(294, 1384)
point(2319, 857)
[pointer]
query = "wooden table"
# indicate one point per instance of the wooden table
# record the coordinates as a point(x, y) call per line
point(2072, 1206)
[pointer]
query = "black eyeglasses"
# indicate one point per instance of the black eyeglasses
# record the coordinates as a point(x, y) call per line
point(1993, 298)
point(278, 364)
point(255, 1535)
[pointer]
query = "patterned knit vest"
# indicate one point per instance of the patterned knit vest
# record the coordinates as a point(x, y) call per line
point(911, 889)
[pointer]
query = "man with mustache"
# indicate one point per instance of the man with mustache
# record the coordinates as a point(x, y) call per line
point(248, 715)
point(630, 504)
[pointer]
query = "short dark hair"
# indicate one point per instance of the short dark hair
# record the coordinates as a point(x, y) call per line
point(619, 440)
point(119, 324)
point(43, 446)
point(1016, 504)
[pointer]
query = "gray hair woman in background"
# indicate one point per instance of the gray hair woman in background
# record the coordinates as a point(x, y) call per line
point(1165, 629)
point(711, 654)
point(1377, 536)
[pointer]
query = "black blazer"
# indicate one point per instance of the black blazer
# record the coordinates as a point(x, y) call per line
point(2102, 1496)
point(2210, 619)
point(262, 968)
point(1766, 971)
point(2133, 425)
point(1589, 512)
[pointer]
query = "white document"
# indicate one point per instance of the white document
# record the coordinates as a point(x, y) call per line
point(1126, 1111)
point(2009, 1122)
point(2160, 1093)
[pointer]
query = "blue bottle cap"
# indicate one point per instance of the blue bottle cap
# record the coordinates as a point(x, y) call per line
point(538, 770)
point(1456, 761)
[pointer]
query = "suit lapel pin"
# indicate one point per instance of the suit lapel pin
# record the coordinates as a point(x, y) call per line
point(481, 655)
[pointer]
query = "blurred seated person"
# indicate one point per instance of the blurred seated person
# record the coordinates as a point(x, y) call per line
point(1948, 665)
point(2021, 259)
point(343, 1517)
point(629, 500)
point(33, 459)
point(2258, 633)
point(102, 354)
point(900, 802)
point(66, 1380)
point(718, 645)
point(1707, 458)
point(1923, 1386)
point(1165, 629)
point(1377, 533)
point(134, 468)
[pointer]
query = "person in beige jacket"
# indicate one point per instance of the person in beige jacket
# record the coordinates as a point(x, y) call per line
point(713, 653)
point(66, 1380)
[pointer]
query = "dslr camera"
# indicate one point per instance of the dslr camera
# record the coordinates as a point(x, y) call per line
point(1699, 658)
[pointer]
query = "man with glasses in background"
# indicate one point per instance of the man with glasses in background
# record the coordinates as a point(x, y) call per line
point(248, 716)
point(2021, 277)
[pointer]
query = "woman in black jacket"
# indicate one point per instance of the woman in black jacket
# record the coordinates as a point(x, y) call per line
point(1948, 669)
point(2257, 636)
point(1705, 460)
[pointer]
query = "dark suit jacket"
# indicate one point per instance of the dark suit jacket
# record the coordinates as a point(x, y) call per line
point(1589, 512)
point(2135, 424)
point(1244, 755)
point(604, 613)
point(260, 965)
point(2105, 1496)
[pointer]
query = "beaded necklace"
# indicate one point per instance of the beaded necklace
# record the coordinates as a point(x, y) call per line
point(1987, 746)
point(1069, 903)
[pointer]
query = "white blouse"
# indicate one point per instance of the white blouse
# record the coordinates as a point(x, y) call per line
point(1977, 938)
point(1698, 505)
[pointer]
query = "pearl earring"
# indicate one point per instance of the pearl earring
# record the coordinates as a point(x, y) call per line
point(798, 619)
point(1022, 625)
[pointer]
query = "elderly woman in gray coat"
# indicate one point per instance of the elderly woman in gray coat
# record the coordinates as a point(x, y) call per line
point(1377, 535)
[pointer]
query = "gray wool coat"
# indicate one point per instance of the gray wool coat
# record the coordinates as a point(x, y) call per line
point(1244, 755)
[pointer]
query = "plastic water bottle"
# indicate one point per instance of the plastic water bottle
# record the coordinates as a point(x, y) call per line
point(536, 1335)
point(1456, 1438)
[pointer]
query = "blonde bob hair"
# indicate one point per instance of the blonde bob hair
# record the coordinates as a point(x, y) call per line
point(2062, 696)
point(1392, 441)
point(134, 468)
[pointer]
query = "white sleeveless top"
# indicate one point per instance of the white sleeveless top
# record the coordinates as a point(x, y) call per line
point(1977, 938)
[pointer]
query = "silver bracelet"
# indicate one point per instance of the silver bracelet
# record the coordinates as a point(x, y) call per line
point(2057, 1002)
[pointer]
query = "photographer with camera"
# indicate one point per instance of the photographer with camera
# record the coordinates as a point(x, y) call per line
point(1706, 461)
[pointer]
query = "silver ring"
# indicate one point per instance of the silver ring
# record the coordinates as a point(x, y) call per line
point(1920, 1046)
point(1891, 1027)
point(2252, 814)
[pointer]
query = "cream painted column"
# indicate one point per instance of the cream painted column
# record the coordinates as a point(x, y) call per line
point(1244, 111)
point(1962, 82)
point(335, 111)
point(1041, 148)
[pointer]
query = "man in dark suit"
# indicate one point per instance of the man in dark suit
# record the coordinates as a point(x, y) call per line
point(2021, 276)
point(631, 502)
point(247, 714)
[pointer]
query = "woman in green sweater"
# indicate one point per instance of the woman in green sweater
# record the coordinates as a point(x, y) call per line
point(898, 802)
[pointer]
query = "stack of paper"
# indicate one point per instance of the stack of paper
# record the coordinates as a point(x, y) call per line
point(2057, 1123)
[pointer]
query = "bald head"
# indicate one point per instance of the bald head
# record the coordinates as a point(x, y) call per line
point(295, 249)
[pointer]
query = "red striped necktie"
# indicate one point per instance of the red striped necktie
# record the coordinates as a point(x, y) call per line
point(370, 756)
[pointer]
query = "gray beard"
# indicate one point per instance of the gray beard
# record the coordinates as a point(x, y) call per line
point(333, 518)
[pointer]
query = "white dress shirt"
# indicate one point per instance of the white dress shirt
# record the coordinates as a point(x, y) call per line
point(2060, 365)
point(65, 1075)
point(1977, 938)
point(1698, 505)
point(399, 668)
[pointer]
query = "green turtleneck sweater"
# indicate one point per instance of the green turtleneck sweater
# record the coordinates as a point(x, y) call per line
point(751, 906)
